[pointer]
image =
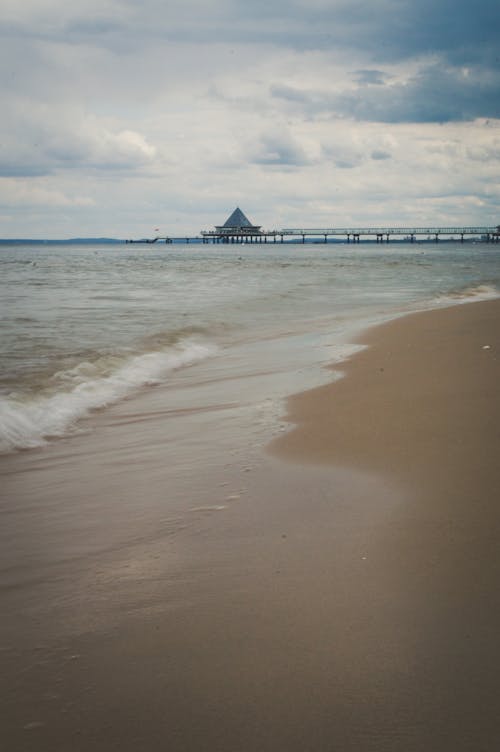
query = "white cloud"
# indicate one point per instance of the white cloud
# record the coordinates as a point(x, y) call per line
point(35, 193)
point(39, 138)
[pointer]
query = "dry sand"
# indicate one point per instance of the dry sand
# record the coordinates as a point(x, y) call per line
point(340, 594)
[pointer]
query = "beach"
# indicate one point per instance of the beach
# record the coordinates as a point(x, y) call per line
point(336, 589)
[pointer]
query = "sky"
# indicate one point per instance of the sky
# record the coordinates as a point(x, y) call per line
point(131, 118)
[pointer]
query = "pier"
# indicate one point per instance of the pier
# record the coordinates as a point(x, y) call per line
point(157, 239)
point(355, 234)
point(239, 229)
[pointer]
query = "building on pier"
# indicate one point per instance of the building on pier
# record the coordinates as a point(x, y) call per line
point(236, 229)
point(238, 224)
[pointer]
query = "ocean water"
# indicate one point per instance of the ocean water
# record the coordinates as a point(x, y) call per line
point(84, 327)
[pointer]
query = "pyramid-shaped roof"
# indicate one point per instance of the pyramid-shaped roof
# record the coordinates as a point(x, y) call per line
point(237, 219)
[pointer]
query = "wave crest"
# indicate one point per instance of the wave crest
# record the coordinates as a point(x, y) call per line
point(31, 422)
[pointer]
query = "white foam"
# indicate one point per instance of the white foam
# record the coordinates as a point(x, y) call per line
point(468, 295)
point(27, 424)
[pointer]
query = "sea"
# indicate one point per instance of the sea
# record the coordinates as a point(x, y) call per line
point(87, 327)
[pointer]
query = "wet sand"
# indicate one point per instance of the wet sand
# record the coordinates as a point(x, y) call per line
point(337, 593)
point(422, 405)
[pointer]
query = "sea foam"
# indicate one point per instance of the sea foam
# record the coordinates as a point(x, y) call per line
point(470, 294)
point(28, 423)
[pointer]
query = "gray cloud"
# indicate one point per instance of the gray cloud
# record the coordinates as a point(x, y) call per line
point(379, 155)
point(435, 94)
point(370, 77)
point(386, 29)
point(280, 149)
point(462, 32)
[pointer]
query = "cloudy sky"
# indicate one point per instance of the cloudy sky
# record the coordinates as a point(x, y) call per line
point(122, 116)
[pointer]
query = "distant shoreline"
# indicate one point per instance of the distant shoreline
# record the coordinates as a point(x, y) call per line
point(67, 241)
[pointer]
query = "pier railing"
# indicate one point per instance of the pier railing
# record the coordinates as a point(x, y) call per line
point(477, 230)
point(385, 233)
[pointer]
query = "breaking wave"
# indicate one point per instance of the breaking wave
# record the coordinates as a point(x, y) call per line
point(30, 421)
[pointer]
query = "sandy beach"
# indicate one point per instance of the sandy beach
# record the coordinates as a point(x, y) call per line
point(336, 591)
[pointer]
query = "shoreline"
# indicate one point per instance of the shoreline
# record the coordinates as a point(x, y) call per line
point(388, 412)
point(341, 595)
